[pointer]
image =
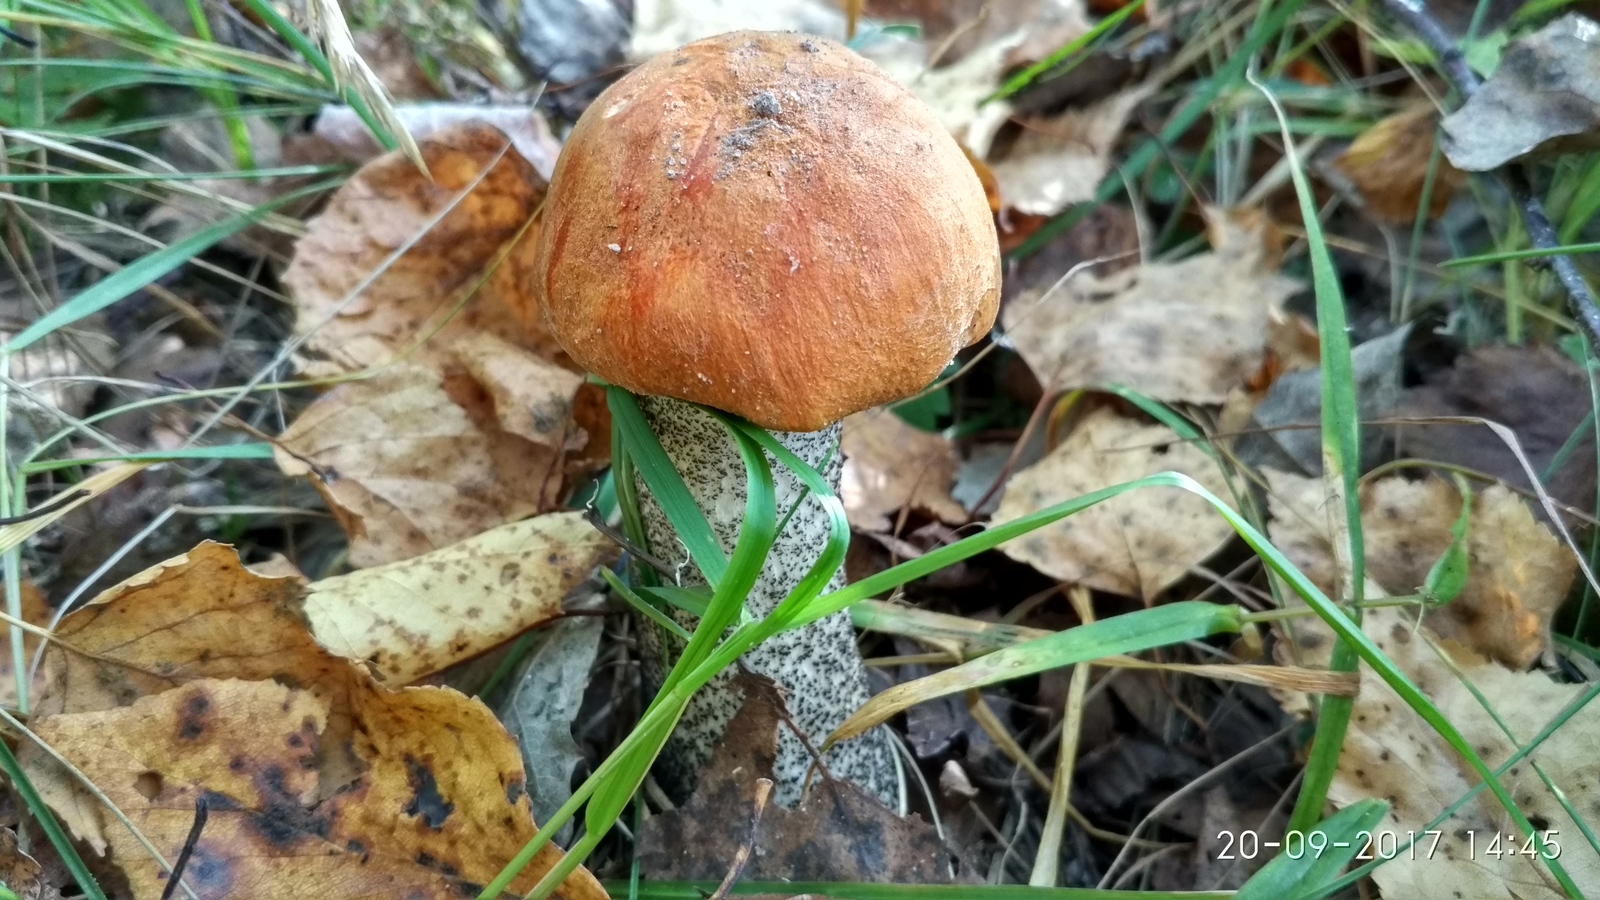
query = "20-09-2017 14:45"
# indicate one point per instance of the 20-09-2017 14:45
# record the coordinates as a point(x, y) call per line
point(1389, 844)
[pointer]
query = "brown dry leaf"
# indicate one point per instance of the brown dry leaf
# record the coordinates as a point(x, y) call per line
point(838, 833)
point(409, 463)
point(890, 465)
point(1388, 165)
point(206, 682)
point(20, 873)
point(1519, 572)
point(1543, 99)
point(1189, 331)
point(413, 618)
point(386, 207)
point(1392, 754)
point(1536, 392)
point(1136, 544)
point(1060, 160)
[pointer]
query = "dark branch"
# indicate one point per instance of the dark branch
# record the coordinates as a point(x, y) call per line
point(1414, 14)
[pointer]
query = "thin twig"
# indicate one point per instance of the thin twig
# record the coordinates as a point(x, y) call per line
point(1414, 14)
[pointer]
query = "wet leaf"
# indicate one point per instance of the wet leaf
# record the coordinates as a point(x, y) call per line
point(1136, 544)
point(1186, 331)
point(409, 463)
point(890, 466)
point(1544, 99)
point(419, 616)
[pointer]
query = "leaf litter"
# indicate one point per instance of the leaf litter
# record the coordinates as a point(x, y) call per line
point(449, 416)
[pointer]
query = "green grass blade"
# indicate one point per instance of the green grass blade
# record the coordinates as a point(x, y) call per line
point(47, 822)
point(1341, 460)
point(1508, 255)
point(642, 606)
point(1159, 626)
point(139, 273)
point(1027, 76)
point(699, 890)
point(666, 485)
point(1309, 869)
point(1200, 104)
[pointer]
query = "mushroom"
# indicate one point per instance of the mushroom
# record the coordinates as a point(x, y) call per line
point(768, 225)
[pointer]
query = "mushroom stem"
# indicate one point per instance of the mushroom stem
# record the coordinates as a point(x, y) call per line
point(818, 666)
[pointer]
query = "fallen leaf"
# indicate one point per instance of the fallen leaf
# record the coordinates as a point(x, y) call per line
point(446, 234)
point(1186, 331)
point(542, 706)
point(1060, 160)
point(1388, 166)
point(318, 778)
point(409, 465)
point(347, 137)
point(1518, 575)
point(1542, 100)
point(20, 873)
point(838, 833)
point(662, 25)
point(1542, 396)
point(412, 618)
point(890, 466)
point(1284, 429)
point(955, 92)
point(1136, 544)
point(1392, 754)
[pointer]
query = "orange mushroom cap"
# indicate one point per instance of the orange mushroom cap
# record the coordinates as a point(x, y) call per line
point(769, 225)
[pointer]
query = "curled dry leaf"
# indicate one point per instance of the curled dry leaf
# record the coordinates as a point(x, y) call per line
point(1392, 754)
point(1543, 99)
point(1136, 544)
point(483, 195)
point(890, 466)
point(1388, 166)
point(1060, 160)
point(1186, 331)
point(1518, 575)
point(413, 618)
point(205, 682)
point(410, 463)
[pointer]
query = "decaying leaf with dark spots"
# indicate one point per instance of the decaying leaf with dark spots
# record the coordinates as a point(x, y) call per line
point(321, 782)
point(413, 618)
point(838, 833)
point(20, 873)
